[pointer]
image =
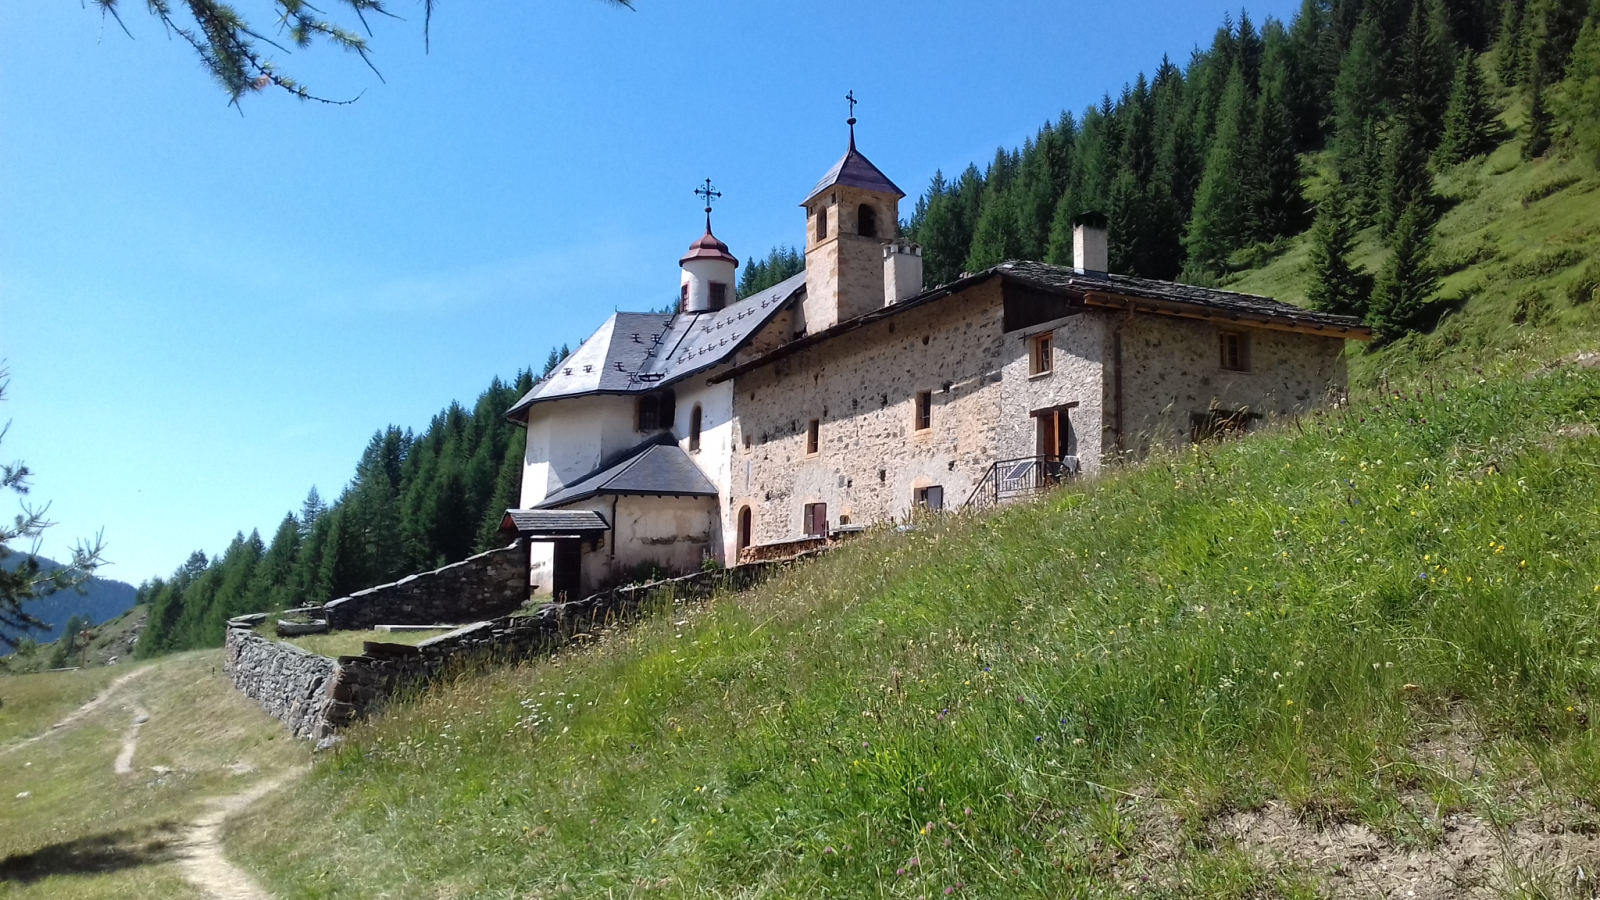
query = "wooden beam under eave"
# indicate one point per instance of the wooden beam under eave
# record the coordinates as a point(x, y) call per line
point(1166, 308)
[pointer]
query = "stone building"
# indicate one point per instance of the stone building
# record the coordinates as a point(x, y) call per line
point(853, 394)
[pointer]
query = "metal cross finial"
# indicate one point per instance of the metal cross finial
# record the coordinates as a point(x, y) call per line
point(709, 194)
point(851, 96)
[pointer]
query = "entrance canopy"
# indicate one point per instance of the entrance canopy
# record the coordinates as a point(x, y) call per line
point(554, 524)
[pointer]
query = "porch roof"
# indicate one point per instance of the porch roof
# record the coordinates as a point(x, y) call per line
point(549, 524)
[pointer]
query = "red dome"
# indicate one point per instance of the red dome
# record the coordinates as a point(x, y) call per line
point(708, 247)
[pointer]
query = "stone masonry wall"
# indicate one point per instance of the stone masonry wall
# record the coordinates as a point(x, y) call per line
point(862, 387)
point(291, 684)
point(1172, 369)
point(315, 696)
point(479, 587)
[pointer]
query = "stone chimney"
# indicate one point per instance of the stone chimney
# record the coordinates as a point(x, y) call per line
point(902, 271)
point(1089, 253)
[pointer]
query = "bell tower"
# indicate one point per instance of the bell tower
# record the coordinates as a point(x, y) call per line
point(850, 215)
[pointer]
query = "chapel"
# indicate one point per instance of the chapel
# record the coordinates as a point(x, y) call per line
point(741, 428)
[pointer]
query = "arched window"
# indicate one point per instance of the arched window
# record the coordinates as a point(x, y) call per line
point(745, 518)
point(822, 222)
point(694, 429)
point(866, 221)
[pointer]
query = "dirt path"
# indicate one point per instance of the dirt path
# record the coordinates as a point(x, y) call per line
point(77, 715)
point(204, 865)
point(124, 763)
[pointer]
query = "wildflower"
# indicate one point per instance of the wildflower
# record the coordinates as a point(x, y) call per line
point(900, 871)
point(969, 810)
point(827, 851)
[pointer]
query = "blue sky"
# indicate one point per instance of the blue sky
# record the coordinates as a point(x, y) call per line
point(205, 314)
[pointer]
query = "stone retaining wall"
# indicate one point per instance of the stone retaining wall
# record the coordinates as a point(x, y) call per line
point(479, 587)
point(315, 696)
point(290, 683)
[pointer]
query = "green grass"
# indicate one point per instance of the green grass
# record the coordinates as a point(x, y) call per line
point(30, 704)
point(85, 832)
point(1059, 699)
point(347, 643)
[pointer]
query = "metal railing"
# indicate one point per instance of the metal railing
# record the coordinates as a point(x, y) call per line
point(1025, 476)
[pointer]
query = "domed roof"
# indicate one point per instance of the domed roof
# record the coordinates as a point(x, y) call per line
point(708, 247)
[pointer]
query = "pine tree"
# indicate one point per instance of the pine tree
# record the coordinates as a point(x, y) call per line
point(1402, 298)
point(1537, 142)
point(1426, 67)
point(1469, 121)
point(1216, 227)
point(1335, 284)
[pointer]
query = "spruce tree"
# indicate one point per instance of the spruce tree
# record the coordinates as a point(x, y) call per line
point(1407, 183)
point(1511, 47)
point(1277, 202)
point(1360, 104)
point(1402, 297)
point(1469, 121)
point(1581, 111)
point(1537, 141)
point(1216, 227)
point(1335, 285)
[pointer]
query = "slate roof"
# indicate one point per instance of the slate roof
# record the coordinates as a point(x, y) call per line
point(1096, 290)
point(656, 469)
point(1232, 303)
point(637, 352)
point(544, 522)
point(854, 170)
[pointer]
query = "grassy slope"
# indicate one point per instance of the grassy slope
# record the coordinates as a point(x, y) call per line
point(1282, 617)
point(30, 704)
point(86, 832)
point(1512, 228)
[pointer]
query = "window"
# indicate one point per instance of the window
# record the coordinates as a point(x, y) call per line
point(745, 517)
point(1219, 423)
point(866, 221)
point(815, 519)
point(655, 412)
point(924, 410)
point(683, 296)
point(813, 436)
point(929, 498)
point(719, 295)
point(1040, 358)
point(694, 429)
point(1235, 351)
point(822, 223)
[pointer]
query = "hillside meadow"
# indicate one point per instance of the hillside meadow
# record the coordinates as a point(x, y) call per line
point(1383, 617)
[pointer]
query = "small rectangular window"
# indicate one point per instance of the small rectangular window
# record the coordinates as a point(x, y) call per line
point(683, 296)
point(816, 519)
point(929, 498)
point(719, 295)
point(1235, 351)
point(1040, 358)
point(822, 223)
point(813, 436)
point(924, 410)
point(655, 412)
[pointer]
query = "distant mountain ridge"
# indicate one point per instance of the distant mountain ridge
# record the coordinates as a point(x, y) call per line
point(102, 599)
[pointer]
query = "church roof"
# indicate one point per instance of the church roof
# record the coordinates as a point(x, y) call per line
point(656, 469)
point(638, 352)
point(854, 170)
